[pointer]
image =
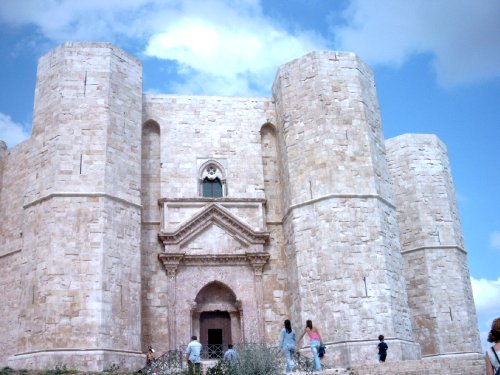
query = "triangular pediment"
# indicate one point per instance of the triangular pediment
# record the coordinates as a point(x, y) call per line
point(213, 214)
point(213, 240)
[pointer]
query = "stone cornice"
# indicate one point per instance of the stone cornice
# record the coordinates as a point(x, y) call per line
point(214, 213)
point(216, 200)
point(173, 260)
point(81, 195)
point(338, 196)
point(433, 248)
point(11, 252)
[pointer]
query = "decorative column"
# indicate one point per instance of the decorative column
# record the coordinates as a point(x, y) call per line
point(242, 321)
point(195, 319)
point(235, 327)
point(258, 261)
point(171, 263)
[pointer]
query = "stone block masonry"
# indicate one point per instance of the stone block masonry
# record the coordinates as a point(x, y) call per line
point(131, 219)
point(432, 245)
point(340, 210)
point(80, 215)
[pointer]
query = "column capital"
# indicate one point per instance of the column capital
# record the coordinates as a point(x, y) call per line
point(258, 260)
point(170, 262)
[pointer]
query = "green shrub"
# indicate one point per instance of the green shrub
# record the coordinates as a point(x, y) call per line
point(7, 371)
point(113, 368)
point(255, 359)
point(222, 368)
point(59, 370)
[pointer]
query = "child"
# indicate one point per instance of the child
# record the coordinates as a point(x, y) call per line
point(150, 357)
point(382, 349)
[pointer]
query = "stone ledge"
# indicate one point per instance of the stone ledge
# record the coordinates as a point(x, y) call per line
point(84, 359)
point(472, 364)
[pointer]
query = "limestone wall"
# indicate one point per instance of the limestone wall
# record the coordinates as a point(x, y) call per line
point(13, 174)
point(82, 212)
point(340, 221)
point(194, 130)
point(58, 307)
point(14, 164)
point(197, 129)
point(438, 282)
point(277, 295)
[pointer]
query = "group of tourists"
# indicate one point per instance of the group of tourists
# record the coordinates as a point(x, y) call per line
point(288, 341)
point(193, 356)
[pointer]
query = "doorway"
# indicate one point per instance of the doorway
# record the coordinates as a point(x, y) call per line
point(215, 343)
point(215, 333)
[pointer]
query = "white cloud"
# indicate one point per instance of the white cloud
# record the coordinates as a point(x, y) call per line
point(462, 37)
point(487, 301)
point(228, 48)
point(233, 39)
point(219, 46)
point(495, 240)
point(208, 84)
point(11, 132)
point(486, 295)
point(65, 20)
point(232, 56)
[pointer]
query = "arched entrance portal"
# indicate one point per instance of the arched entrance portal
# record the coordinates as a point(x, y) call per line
point(216, 318)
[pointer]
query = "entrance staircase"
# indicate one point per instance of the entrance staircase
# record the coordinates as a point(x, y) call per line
point(174, 361)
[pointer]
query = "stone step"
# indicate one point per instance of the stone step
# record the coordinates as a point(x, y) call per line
point(436, 366)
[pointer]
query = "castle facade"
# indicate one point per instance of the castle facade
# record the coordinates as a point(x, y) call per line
point(131, 219)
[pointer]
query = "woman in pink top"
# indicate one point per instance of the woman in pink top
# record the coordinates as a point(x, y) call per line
point(314, 342)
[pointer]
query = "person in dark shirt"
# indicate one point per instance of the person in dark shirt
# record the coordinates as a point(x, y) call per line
point(382, 349)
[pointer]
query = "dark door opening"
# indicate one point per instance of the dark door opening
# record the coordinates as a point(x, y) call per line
point(215, 333)
point(215, 348)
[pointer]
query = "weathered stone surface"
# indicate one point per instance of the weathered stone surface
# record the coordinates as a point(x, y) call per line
point(432, 245)
point(108, 244)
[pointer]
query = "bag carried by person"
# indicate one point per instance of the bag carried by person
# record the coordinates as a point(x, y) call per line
point(321, 351)
point(497, 372)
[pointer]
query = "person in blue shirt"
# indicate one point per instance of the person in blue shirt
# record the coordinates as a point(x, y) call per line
point(231, 355)
point(287, 343)
point(193, 356)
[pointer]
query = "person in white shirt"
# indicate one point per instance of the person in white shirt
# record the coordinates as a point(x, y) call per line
point(193, 356)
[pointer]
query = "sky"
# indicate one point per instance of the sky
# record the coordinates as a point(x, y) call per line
point(436, 66)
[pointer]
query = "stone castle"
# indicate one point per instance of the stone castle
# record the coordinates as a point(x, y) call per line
point(132, 218)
